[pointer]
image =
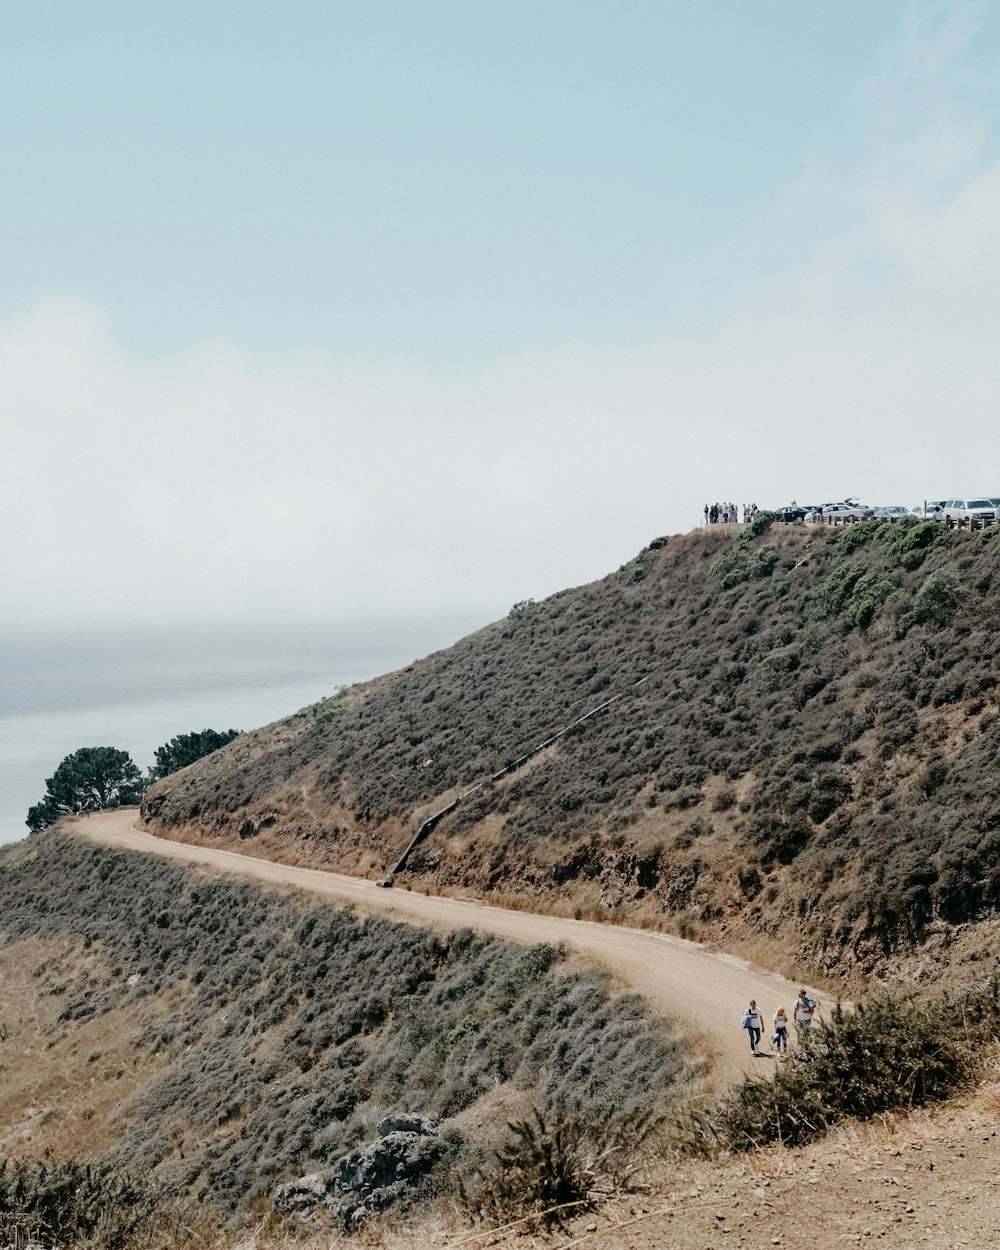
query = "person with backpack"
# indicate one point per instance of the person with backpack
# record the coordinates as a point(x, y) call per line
point(753, 1022)
point(804, 1010)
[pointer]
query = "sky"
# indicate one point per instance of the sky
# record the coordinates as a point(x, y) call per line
point(347, 311)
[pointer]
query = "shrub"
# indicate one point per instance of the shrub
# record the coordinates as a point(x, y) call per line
point(760, 524)
point(920, 537)
point(939, 596)
point(886, 1055)
point(552, 1168)
point(854, 592)
point(855, 536)
point(66, 1201)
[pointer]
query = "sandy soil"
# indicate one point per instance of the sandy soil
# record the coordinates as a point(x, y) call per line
point(708, 991)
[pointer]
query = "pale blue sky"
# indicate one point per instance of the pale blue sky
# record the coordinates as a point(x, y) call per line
point(436, 183)
point(342, 310)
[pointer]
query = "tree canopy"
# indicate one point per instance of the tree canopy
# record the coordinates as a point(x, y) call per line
point(186, 748)
point(90, 779)
point(93, 778)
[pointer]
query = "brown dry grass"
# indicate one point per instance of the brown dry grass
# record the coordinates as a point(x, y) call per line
point(923, 1178)
point(60, 1088)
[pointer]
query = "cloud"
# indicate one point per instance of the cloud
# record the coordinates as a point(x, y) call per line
point(856, 354)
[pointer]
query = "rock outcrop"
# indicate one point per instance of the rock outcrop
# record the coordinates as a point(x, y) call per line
point(369, 1179)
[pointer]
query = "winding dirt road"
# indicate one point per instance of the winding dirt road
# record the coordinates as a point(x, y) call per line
point(708, 991)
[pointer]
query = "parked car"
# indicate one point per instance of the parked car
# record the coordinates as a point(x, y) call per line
point(891, 512)
point(969, 509)
point(920, 509)
point(793, 511)
point(848, 510)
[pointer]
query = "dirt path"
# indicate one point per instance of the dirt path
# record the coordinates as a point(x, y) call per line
point(707, 990)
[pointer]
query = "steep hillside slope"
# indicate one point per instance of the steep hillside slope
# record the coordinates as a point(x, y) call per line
point(216, 1037)
point(804, 747)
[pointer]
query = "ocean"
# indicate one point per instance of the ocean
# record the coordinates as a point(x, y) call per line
point(135, 689)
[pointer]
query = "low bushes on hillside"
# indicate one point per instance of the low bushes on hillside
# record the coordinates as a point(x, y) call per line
point(293, 1025)
point(66, 1202)
point(831, 672)
point(889, 1054)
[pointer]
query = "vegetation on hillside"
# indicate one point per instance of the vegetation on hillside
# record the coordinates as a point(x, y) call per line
point(186, 748)
point(89, 780)
point(94, 778)
point(284, 1028)
point(890, 1054)
point(60, 1202)
point(814, 744)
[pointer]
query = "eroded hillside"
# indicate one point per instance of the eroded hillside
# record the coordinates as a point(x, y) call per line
point(804, 751)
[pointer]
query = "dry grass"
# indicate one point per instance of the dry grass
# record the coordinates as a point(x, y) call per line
point(219, 1038)
point(60, 1088)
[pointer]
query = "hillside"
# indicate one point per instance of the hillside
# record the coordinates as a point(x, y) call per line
point(803, 753)
point(213, 1038)
point(175, 1043)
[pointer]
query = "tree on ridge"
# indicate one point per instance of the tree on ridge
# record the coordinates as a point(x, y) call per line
point(89, 780)
point(186, 748)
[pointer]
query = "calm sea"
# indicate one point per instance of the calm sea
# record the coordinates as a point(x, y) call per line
point(137, 689)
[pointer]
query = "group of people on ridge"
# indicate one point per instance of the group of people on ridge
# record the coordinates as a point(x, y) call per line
point(802, 1014)
point(728, 513)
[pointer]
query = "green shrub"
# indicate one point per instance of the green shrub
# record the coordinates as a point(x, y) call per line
point(466, 1027)
point(939, 596)
point(919, 536)
point(854, 592)
point(760, 524)
point(888, 1054)
point(855, 536)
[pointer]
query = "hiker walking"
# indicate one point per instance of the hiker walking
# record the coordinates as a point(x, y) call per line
point(780, 1035)
point(753, 1022)
point(805, 1008)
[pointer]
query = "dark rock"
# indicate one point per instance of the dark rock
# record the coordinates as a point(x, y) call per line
point(370, 1179)
point(423, 1126)
point(301, 1197)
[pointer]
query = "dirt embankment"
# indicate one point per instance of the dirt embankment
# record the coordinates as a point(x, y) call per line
point(925, 1180)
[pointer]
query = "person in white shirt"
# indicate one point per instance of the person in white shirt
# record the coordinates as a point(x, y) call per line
point(805, 1007)
point(753, 1022)
point(780, 1037)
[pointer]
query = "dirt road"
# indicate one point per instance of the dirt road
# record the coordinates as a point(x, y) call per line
point(708, 991)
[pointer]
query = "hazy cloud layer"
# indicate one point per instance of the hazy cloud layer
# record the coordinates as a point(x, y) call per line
point(845, 344)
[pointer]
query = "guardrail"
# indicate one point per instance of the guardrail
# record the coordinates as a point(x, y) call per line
point(953, 523)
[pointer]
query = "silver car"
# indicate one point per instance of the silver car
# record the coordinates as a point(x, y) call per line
point(847, 510)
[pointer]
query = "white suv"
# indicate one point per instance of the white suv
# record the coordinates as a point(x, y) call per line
point(967, 509)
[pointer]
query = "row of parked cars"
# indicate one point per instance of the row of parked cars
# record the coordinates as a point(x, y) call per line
point(982, 510)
